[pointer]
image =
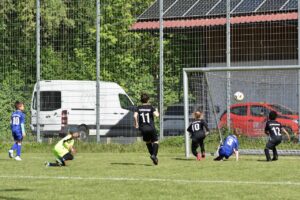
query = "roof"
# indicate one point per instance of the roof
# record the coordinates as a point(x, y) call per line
point(191, 13)
point(187, 23)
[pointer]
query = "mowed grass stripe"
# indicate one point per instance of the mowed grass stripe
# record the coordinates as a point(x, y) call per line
point(156, 180)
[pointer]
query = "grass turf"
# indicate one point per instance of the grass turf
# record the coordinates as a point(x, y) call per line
point(132, 176)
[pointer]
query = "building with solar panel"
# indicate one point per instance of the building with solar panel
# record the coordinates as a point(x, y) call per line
point(263, 33)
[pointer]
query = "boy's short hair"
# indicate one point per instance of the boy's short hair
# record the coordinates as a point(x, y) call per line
point(272, 115)
point(145, 98)
point(73, 130)
point(18, 104)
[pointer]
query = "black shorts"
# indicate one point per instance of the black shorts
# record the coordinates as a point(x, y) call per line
point(198, 137)
point(67, 156)
point(149, 134)
point(273, 143)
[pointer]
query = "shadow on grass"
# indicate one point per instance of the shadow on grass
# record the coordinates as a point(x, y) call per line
point(263, 160)
point(12, 190)
point(130, 164)
point(9, 198)
point(184, 159)
point(15, 190)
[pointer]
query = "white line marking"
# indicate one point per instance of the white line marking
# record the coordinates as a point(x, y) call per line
point(186, 181)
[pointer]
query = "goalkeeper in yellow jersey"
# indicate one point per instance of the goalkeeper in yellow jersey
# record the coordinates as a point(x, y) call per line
point(64, 150)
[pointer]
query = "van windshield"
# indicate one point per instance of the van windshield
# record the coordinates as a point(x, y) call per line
point(50, 100)
point(125, 101)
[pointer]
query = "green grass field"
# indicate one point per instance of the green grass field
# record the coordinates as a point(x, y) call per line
point(132, 176)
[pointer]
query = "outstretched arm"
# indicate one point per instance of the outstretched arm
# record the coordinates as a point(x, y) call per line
point(236, 155)
point(156, 113)
point(286, 133)
point(136, 124)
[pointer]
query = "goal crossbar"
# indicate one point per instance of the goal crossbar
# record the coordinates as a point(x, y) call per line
point(225, 69)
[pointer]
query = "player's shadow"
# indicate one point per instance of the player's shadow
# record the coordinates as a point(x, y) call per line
point(184, 159)
point(15, 190)
point(130, 164)
point(9, 198)
point(262, 160)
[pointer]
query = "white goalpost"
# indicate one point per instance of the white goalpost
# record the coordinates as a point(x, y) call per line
point(265, 88)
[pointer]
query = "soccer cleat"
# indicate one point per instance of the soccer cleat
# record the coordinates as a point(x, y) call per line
point(18, 158)
point(203, 155)
point(199, 156)
point(154, 159)
point(47, 164)
point(274, 159)
point(11, 153)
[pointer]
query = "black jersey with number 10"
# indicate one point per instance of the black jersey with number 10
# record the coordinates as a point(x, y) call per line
point(146, 118)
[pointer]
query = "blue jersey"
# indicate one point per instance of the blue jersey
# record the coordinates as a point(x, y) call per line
point(230, 143)
point(17, 120)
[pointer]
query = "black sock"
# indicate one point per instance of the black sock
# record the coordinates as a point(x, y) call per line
point(267, 153)
point(275, 154)
point(150, 148)
point(155, 149)
point(54, 164)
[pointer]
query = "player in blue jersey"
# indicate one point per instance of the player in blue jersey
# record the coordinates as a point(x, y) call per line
point(230, 146)
point(17, 125)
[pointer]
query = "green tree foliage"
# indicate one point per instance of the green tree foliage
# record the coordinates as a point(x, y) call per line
point(68, 49)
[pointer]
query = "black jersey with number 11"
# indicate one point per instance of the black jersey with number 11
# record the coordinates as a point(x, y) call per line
point(146, 118)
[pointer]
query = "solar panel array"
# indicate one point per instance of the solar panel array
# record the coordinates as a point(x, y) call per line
point(201, 8)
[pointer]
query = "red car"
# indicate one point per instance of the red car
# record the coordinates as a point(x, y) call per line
point(250, 118)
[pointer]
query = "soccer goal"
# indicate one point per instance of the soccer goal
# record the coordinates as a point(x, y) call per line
point(239, 99)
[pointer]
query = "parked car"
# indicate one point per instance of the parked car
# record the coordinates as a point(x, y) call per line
point(250, 118)
point(174, 120)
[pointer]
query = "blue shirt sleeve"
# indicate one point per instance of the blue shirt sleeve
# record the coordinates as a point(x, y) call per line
point(22, 120)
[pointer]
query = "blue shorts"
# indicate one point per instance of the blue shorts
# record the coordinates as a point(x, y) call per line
point(17, 136)
point(224, 153)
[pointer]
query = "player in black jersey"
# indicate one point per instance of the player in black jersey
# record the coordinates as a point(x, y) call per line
point(198, 130)
point(144, 121)
point(274, 130)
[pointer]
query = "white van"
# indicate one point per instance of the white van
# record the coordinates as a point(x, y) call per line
point(66, 103)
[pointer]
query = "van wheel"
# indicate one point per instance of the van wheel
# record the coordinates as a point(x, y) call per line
point(83, 133)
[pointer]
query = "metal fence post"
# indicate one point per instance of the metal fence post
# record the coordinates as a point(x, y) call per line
point(98, 72)
point(299, 71)
point(161, 69)
point(228, 63)
point(38, 66)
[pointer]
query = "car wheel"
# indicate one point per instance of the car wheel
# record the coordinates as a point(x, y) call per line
point(83, 133)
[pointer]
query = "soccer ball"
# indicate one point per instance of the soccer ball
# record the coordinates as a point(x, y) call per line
point(239, 96)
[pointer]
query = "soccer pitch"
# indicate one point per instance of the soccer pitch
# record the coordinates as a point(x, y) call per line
point(133, 176)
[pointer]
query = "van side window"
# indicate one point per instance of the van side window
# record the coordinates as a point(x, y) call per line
point(50, 100)
point(125, 101)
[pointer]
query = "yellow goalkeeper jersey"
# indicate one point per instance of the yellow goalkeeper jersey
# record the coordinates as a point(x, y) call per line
point(63, 146)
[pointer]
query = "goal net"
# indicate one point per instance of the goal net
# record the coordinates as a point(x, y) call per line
point(259, 90)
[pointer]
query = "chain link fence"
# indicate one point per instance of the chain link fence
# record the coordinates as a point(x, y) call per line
point(196, 33)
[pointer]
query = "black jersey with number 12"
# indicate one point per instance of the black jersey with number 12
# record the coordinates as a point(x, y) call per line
point(146, 118)
point(274, 129)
